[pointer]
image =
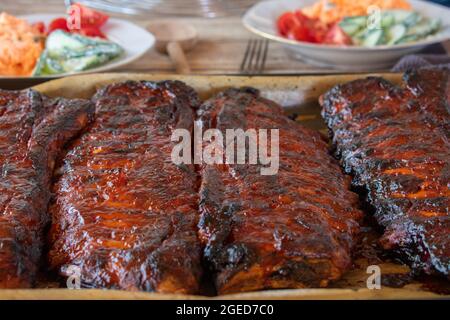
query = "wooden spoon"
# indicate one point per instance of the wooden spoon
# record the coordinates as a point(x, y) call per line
point(174, 38)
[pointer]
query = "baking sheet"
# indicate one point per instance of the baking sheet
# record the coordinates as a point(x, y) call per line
point(299, 96)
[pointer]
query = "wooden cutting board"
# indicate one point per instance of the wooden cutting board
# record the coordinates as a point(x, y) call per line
point(299, 95)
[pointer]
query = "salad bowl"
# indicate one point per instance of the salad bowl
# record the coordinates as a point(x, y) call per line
point(261, 19)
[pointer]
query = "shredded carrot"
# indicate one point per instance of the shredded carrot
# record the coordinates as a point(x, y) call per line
point(20, 46)
point(331, 11)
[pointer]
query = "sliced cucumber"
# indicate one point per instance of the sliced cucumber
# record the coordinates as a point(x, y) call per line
point(84, 63)
point(373, 38)
point(359, 37)
point(350, 28)
point(435, 25)
point(112, 50)
point(420, 29)
point(407, 39)
point(353, 25)
point(53, 66)
point(425, 28)
point(48, 66)
point(360, 21)
point(59, 41)
point(412, 19)
point(109, 49)
point(387, 19)
point(400, 16)
point(40, 64)
point(395, 33)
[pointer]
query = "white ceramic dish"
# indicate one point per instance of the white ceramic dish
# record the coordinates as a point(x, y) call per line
point(261, 19)
point(133, 39)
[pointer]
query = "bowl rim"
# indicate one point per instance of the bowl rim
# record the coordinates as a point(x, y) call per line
point(442, 35)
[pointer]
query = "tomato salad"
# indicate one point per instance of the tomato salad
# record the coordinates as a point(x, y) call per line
point(298, 26)
point(81, 20)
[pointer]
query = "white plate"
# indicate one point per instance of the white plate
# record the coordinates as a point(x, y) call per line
point(261, 19)
point(133, 39)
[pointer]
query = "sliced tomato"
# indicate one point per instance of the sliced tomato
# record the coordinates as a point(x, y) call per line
point(90, 32)
point(39, 26)
point(337, 36)
point(286, 22)
point(301, 17)
point(298, 26)
point(319, 30)
point(301, 33)
point(57, 24)
point(88, 18)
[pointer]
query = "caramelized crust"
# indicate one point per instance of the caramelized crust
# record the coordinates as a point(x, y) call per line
point(124, 213)
point(395, 142)
point(33, 131)
point(294, 229)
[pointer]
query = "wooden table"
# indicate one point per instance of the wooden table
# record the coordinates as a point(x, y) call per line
point(221, 47)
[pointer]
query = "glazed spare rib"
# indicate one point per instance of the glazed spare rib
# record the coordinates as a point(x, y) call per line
point(33, 132)
point(293, 229)
point(124, 213)
point(396, 143)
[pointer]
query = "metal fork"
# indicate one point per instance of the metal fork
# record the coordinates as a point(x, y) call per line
point(255, 56)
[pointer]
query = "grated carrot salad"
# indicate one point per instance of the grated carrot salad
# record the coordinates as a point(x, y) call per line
point(20, 46)
point(332, 11)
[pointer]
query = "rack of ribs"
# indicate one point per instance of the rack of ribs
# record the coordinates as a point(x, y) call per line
point(33, 132)
point(395, 141)
point(293, 229)
point(124, 214)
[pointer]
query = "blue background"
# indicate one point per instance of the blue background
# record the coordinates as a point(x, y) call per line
point(443, 2)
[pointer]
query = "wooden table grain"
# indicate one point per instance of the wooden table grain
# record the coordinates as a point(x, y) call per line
point(221, 46)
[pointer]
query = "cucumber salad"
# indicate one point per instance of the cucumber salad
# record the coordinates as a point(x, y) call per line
point(393, 27)
point(67, 52)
